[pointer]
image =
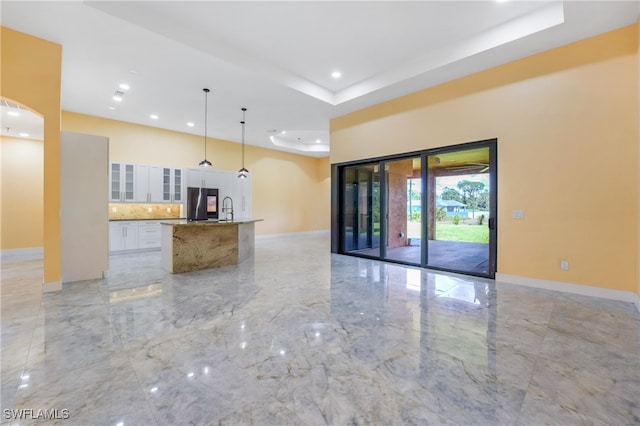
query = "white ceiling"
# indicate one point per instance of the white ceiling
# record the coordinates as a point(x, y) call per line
point(276, 58)
point(18, 122)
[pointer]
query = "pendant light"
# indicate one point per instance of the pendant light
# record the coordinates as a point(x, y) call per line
point(243, 173)
point(205, 162)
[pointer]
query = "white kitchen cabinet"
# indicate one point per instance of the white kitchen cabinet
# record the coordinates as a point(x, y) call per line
point(211, 178)
point(158, 184)
point(242, 198)
point(155, 184)
point(173, 188)
point(142, 183)
point(149, 234)
point(150, 184)
point(135, 235)
point(203, 178)
point(194, 178)
point(226, 188)
point(123, 235)
point(121, 182)
point(226, 183)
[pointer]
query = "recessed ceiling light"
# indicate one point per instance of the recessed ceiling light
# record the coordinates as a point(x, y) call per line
point(124, 86)
point(153, 116)
point(336, 74)
point(283, 132)
point(190, 124)
point(23, 134)
point(318, 141)
point(14, 113)
point(112, 108)
point(117, 96)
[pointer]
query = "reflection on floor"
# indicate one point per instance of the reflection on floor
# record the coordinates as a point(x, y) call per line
point(455, 255)
point(299, 336)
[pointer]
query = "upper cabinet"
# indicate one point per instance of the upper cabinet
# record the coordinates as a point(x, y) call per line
point(156, 184)
point(143, 183)
point(173, 188)
point(242, 198)
point(203, 178)
point(228, 184)
point(121, 182)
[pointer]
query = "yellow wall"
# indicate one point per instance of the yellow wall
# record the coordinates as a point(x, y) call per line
point(31, 69)
point(290, 192)
point(22, 193)
point(638, 118)
point(567, 127)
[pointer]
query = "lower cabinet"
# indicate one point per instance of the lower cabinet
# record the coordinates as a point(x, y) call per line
point(123, 235)
point(134, 235)
point(149, 234)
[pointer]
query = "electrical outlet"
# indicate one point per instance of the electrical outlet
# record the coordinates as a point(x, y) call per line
point(564, 265)
point(114, 209)
point(517, 214)
point(168, 209)
point(149, 209)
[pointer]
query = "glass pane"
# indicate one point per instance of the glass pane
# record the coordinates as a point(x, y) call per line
point(458, 207)
point(404, 210)
point(166, 184)
point(115, 181)
point(129, 180)
point(177, 185)
point(361, 208)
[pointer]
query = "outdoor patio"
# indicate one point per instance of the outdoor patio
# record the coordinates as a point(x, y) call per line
point(454, 255)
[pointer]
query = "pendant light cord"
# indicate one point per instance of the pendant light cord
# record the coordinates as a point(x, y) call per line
point(206, 96)
point(244, 110)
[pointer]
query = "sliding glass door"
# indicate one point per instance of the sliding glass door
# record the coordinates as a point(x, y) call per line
point(361, 209)
point(404, 210)
point(459, 202)
point(434, 209)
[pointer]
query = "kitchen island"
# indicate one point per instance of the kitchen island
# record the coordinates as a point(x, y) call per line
point(190, 246)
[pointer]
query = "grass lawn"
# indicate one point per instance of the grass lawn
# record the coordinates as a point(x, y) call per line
point(462, 232)
point(450, 232)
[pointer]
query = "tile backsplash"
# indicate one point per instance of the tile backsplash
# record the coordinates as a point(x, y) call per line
point(144, 211)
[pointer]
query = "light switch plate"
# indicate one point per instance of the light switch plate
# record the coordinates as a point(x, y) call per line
point(517, 214)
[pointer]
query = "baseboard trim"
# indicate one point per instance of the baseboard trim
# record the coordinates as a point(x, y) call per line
point(585, 290)
point(51, 286)
point(636, 301)
point(30, 253)
point(294, 234)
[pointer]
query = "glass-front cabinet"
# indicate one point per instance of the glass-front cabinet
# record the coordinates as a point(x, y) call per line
point(121, 182)
point(172, 185)
point(143, 183)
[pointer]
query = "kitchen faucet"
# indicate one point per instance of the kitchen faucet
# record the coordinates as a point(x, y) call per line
point(227, 210)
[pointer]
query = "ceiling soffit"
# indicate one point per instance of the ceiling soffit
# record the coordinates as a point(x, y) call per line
point(197, 26)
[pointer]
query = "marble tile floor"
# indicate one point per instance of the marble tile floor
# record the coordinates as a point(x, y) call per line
point(297, 335)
